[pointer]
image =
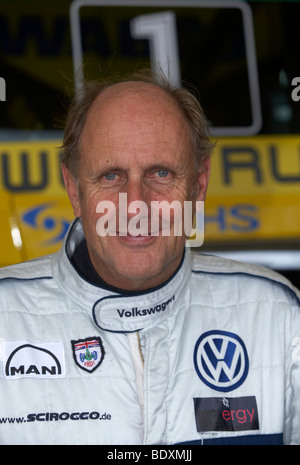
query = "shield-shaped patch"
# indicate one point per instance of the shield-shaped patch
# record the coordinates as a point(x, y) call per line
point(88, 353)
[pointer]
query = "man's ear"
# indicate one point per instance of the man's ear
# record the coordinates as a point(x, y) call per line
point(203, 179)
point(71, 184)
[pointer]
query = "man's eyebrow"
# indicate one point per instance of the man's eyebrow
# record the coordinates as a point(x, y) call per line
point(158, 166)
point(96, 173)
point(162, 166)
point(101, 171)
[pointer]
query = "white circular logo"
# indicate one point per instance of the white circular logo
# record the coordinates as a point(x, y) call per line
point(221, 360)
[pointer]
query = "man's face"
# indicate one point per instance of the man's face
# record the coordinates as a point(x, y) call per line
point(135, 142)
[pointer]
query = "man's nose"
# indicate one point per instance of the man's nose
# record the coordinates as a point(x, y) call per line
point(136, 190)
point(137, 196)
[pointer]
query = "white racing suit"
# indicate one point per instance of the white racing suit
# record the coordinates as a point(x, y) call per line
point(210, 357)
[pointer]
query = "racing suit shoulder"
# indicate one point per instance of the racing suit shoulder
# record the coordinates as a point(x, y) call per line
point(218, 266)
point(28, 270)
point(22, 285)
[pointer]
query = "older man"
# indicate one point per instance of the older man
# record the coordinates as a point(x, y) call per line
point(135, 140)
point(129, 339)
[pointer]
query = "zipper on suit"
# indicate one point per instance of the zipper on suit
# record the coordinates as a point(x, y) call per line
point(140, 347)
point(138, 361)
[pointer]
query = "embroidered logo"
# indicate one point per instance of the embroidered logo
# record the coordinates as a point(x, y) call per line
point(88, 353)
point(221, 360)
point(136, 312)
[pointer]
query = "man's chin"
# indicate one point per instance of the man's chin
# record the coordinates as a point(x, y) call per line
point(148, 269)
point(137, 263)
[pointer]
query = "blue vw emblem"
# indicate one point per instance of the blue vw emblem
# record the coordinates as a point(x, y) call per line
point(221, 360)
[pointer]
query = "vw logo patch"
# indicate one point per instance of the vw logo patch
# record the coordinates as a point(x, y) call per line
point(221, 360)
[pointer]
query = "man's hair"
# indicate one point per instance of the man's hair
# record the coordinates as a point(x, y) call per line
point(186, 101)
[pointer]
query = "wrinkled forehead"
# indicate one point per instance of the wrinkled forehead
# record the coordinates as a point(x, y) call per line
point(132, 103)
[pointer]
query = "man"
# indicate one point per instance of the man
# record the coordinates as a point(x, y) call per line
point(131, 339)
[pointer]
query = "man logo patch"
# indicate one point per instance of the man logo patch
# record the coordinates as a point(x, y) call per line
point(24, 359)
point(88, 353)
point(221, 360)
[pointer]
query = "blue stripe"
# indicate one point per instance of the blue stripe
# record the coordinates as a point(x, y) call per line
point(16, 278)
point(249, 440)
point(253, 275)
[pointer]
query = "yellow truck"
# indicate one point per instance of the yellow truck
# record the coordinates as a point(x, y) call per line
point(253, 196)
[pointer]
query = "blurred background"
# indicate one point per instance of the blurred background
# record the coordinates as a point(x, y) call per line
point(242, 57)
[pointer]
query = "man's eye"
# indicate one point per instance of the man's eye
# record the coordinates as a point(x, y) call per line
point(110, 176)
point(162, 173)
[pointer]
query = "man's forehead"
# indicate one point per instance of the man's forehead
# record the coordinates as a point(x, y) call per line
point(129, 88)
point(125, 96)
point(135, 118)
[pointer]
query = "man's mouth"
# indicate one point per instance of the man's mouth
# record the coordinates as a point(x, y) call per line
point(136, 239)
